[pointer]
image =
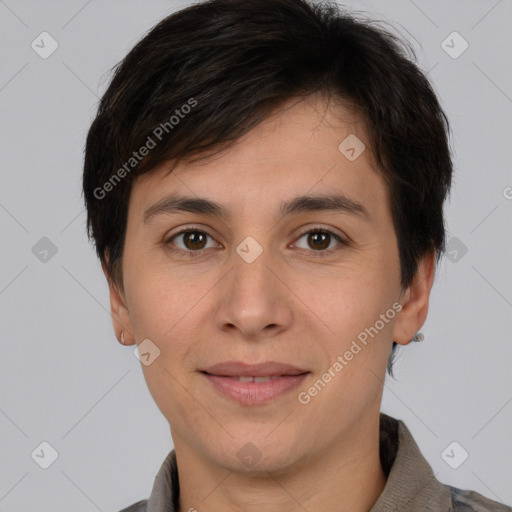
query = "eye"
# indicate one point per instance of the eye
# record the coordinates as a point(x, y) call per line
point(193, 242)
point(319, 239)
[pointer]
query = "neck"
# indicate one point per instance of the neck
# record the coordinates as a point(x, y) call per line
point(345, 477)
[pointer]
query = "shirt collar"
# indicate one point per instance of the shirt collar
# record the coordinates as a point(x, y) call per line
point(411, 484)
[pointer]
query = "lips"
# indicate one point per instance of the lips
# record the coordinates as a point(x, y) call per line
point(265, 369)
point(254, 384)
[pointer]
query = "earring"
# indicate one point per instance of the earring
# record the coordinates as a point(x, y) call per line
point(418, 337)
point(122, 338)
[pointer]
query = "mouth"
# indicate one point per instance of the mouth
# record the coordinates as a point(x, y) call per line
point(254, 384)
point(265, 369)
point(243, 378)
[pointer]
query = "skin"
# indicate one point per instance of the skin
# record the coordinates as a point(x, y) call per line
point(289, 305)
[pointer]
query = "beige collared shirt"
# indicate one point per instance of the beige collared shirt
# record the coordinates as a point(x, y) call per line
point(411, 484)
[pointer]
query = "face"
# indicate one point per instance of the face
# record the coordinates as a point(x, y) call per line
point(313, 285)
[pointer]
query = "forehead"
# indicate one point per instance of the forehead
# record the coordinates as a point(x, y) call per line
point(305, 147)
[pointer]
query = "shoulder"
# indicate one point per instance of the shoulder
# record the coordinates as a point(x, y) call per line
point(140, 506)
point(471, 501)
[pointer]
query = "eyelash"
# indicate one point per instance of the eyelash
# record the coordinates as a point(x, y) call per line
point(320, 253)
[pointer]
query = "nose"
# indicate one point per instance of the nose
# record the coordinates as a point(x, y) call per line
point(254, 300)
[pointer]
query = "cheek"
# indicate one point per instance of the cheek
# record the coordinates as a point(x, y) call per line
point(169, 391)
point(165, 316)
point(358, 311)
point(350, 377)
point(352, 297)
point(157, 301)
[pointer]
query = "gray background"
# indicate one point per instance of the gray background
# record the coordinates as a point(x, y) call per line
point(65, 378)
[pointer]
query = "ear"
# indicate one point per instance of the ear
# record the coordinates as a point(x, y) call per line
point(415, 302)
point(119, 310)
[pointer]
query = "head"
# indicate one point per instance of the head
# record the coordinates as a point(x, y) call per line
point(250, 105)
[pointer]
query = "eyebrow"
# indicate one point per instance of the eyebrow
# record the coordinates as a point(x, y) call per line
point(332, 202)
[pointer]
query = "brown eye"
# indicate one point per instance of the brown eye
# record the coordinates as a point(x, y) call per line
point(320, 240)
point(189, 240)
point(194, 240)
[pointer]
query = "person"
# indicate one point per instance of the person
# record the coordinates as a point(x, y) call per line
point(264, 184)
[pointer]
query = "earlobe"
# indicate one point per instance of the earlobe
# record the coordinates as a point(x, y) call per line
point(119, 312)
point(415, 302)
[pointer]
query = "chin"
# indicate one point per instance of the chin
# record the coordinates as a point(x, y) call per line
point(257, 454)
